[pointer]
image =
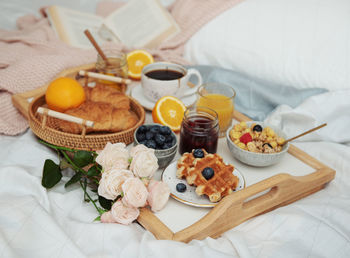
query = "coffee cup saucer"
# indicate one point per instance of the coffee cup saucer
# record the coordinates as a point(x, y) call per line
point(137, 93)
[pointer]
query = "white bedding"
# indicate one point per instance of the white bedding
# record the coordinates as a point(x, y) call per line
point(35, 222)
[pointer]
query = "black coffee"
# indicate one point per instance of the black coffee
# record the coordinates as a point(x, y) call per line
point(164, 75)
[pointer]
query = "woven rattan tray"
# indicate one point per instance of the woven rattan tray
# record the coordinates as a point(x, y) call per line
point(49, 132)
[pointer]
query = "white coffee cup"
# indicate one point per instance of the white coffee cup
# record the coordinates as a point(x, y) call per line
point(163, 79)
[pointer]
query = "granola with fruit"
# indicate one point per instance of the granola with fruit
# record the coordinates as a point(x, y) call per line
point(256, 138)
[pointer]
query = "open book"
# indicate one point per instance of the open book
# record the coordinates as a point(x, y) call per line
point(136, 24)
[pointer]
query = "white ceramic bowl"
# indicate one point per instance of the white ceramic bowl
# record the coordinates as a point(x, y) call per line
point(257, 159)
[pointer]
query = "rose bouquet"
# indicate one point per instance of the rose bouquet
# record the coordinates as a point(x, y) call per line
point(122, 179)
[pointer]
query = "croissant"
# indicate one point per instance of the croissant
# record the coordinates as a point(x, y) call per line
point(107, 94)
point(105, 116)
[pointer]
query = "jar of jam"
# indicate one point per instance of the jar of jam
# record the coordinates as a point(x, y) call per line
point(199, 129)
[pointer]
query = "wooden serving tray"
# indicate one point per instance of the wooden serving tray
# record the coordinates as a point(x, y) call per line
point(264, 196)
point(232, 210)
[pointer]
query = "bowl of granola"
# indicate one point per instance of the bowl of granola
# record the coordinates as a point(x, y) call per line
point(256, 143)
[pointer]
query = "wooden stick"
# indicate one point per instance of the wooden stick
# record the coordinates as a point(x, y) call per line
point(97, 47)
point(65, 117)
point(104, 77)
point(302, 134)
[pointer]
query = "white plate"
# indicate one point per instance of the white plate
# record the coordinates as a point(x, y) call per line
point(137, 94)
point(189, 196)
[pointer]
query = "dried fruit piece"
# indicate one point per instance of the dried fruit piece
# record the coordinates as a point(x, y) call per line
point(245, 138)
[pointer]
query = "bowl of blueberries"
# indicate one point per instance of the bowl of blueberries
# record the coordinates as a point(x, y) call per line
point(160, 138)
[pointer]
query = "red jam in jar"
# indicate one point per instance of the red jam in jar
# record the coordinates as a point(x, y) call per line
point(199, 129)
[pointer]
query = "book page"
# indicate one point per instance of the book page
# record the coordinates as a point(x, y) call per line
point(70, 26)
point(142, 23)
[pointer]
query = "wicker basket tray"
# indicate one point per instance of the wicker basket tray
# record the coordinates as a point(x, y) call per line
point(49, 132)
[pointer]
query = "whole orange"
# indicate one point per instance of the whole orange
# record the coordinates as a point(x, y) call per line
point(64, 93)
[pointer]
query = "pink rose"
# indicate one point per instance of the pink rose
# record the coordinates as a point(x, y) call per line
point(144, 163)
point(135, 193)
point(158, 195)
point(111, 181)
point(107, 217)
point(113, 155)
point(124, 214)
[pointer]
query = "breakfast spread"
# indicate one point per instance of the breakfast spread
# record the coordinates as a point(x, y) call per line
point(256, 138)
point(211, 176)
point(106, 106)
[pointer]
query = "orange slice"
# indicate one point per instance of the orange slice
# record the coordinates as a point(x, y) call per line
point(137, 59)
point(169, 111)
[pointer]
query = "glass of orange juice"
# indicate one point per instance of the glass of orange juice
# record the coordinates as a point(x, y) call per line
point(220, 97)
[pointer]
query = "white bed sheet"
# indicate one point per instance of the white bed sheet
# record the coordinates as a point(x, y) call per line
point(35, 222)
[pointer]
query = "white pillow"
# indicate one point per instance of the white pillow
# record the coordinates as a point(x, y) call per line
point(301, 43)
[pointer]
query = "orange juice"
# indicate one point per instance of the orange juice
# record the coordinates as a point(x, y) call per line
point(222, 104)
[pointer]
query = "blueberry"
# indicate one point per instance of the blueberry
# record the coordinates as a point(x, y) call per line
point(173, 142)
point(198, 153)
point(181, 187)
point(165, 130)
point(257, 128)
point(268, 144)
point(154, 129)
point(168, 138)
point(160, 139)
point(142, 129)
point(208, 173)
point(151, 144)
point(140, 136)
point(149, 136)
point(167, 145)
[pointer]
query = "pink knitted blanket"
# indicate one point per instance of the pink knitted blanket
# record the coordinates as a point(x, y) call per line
point(32, 56)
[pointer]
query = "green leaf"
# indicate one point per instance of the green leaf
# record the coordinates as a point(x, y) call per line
point(74, 179)
point(105, 203)
point(98, 218)
point(82, 158)
point(93, 171)
point(51, 174)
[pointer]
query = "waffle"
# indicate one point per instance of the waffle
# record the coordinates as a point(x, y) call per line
point(221, 184)
point(185, 163)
